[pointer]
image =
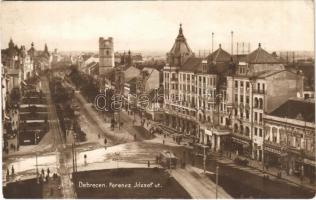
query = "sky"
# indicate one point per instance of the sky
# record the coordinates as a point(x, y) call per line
point(153, 25)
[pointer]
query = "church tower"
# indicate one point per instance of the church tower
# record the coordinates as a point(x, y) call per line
point(106, 54)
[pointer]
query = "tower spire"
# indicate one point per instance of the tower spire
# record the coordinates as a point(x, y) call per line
point(180, 30)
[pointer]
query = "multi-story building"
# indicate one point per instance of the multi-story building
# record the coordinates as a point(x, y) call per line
point(221, 100)
point(261, 83)
point(289, 138)
point(191, 91)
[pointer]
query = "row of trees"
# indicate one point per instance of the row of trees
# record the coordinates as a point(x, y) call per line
point(87, 84)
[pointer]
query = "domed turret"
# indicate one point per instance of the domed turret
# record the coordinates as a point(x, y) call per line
point(180, 51)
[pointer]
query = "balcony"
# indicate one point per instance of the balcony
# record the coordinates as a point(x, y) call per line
point(174, 79)
point(256, 91)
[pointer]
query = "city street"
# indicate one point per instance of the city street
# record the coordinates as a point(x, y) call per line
point(131, 153)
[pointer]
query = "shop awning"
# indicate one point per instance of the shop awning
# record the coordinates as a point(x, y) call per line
point(309, 162)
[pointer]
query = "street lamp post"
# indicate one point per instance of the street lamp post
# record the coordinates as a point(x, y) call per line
point(36, 168)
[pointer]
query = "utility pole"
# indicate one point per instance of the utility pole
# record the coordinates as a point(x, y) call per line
point(212, 42)
point(232, 42)
point(36, 168)
point(73, 157)
point(204, 159)
point(217, 168)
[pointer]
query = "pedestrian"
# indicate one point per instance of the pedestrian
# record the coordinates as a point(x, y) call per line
point(163, 141)
point(8, 173)
point(148, 163)
point(48, 171)
point(12, 170)
point(43, 172)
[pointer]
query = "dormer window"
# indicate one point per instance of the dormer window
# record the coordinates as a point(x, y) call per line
point(204, 66)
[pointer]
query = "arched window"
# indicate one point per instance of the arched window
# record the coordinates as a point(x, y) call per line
point(247, 131)
point(241, 129)
point(260, 103)
point(274, 134)
point(256, 103)
point(236, 128)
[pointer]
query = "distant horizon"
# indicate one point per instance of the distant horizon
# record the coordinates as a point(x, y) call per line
point(154, 25)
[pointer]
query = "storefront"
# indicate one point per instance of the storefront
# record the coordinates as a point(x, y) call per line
point(241, 146)
point(309, 169)
point(272, 155)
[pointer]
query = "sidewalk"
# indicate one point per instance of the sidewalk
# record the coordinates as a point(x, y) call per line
point(198, 184)
point(254, 167)
point(274, 172)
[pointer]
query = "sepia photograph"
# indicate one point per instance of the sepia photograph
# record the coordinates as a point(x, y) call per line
point(158, 99)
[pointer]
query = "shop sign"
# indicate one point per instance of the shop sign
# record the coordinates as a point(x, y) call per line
point(240, 141)
point(208, 132)
point(272, 150)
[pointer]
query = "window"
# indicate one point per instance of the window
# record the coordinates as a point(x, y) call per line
point(241, 98)
point(247, 131)
point(258, 86)
point(260, 132)
point(200, 79)
point(256, 130)
point(247, 114)
point(247, 85)
point(204, 80)
point(236, 97)
point(256, 116)
point(247, 99)
point(241, 84)
point(236, 84)
point(274, 134)
point(260, 117)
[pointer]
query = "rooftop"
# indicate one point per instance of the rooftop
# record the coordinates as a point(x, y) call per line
point(261, 56)
point(219, 55)
point(299, 109)
point(180, 46)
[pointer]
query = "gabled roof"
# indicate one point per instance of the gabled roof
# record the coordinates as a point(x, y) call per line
point(219, 55)
point(131, 72)
point(132, 81)
point(180, 46)
point(260, 56)
point(296, 109)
